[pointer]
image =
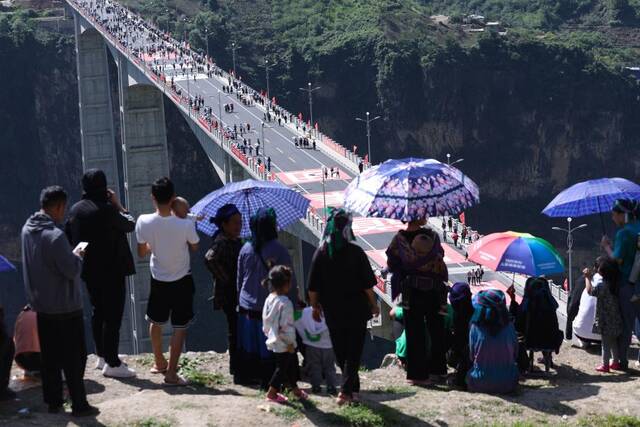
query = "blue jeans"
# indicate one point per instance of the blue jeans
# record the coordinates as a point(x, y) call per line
point(629, 313)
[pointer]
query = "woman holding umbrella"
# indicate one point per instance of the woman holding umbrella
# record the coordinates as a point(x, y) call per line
point(625, 215)
point(256, 258)
point(222, 261)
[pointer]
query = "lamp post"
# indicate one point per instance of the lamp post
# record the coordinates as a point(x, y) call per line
point(449, 163)
point(368, 122)
point(266, 69)
point(233, 56)
point(264, 141)
point(310, 90)
point(569, 232)
point(206, 34)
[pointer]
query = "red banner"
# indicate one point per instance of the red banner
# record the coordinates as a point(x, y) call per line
point(462, 219)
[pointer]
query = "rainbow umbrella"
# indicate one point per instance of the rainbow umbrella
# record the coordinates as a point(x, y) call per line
point(517, 253)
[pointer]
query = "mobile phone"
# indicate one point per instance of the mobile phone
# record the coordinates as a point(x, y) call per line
point(80, 247)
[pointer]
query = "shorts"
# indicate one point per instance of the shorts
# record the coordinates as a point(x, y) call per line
point(171, 300)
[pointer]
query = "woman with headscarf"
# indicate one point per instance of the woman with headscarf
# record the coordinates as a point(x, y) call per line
point(625, 215)
point(420, 274)
point(493, 345)
point(460, 299)
point(254, 360)
point(536, 322)
point(222, 261)
point(341, 289)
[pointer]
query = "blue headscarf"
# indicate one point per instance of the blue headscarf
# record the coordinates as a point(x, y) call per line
point(537, 294)
point(223, 214)
point(490, 310)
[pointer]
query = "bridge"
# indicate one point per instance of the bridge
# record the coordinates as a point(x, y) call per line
point(255, 138)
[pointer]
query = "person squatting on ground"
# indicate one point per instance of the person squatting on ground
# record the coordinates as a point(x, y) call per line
point(277, 325)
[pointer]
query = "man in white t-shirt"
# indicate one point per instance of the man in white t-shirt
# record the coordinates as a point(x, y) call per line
point(168, 239)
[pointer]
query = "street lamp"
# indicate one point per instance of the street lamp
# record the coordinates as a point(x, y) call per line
point(206, 34)
point(449, 163)
point(266, 69)
point(264, 141)
point(310, 90)
point(569, 232)
point(233, 56)
point(368, 122)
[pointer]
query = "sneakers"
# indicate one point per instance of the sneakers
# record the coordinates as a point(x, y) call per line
point(615, 366)
point(122, 371)
point(100, 363)
point(603, 368)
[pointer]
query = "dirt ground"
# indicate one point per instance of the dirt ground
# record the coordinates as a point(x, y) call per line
point(572, 394)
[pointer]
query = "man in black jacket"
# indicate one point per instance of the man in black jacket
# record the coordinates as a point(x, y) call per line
point(100, 220)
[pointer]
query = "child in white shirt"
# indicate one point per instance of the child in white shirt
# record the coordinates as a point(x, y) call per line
point(277, 325)
point(318, 353)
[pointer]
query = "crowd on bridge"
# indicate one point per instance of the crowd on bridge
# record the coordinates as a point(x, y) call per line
point(489, 339)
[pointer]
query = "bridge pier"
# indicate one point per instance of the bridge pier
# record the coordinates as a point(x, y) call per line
point(97, 132)
point(145, 158)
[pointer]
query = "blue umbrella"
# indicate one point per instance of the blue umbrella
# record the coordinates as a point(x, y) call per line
point(249, 196)
point(411, 189)
point(591, 197)
point(5, 265)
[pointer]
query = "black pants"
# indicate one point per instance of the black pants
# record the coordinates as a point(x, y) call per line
point(7, 350)
point(286, 371)
point(232, 335)
point(63, 348)
point(31, 362)
point(423, 307)
point(348, 341)
point(108, 299)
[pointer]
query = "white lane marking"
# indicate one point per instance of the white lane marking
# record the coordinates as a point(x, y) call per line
point(292, 160)
point(278, 148)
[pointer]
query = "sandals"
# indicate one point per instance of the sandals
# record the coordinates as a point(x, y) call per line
point(181, 382)
point(301, 395)
point(156, 370)
point(343, 399)
point(280, 399)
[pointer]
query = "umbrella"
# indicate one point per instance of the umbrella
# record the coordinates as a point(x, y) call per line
point(591, 197)
point(248, 196)
point(5, 265)
point(411, 189)
point(516, 253)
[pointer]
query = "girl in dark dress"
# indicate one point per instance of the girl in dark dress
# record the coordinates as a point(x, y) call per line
point(460, 298)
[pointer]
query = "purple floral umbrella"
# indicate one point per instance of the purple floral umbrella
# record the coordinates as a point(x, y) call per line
point(411, 189)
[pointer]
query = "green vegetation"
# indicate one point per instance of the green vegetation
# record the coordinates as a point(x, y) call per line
point(360, 416)
point(191, 369)
point(610, 421)
point(151, 422)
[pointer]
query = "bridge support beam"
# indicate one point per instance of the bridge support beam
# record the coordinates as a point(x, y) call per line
point(97, 133)
point(294, 245)
point(145, 158)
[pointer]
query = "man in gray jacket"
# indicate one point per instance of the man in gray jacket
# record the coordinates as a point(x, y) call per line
point(51, 280)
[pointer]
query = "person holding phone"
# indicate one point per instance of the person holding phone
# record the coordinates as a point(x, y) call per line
point(52, 285)
point(99, 224)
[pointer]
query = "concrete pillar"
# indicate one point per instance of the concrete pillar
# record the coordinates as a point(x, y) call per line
point(97, 133)
point(294, 245)
point(145, 158)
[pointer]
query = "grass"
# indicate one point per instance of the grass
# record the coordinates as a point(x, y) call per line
point(151, 422)
point(610, 421)
point(191, 369)
point(392, 390)
point(360, 416)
